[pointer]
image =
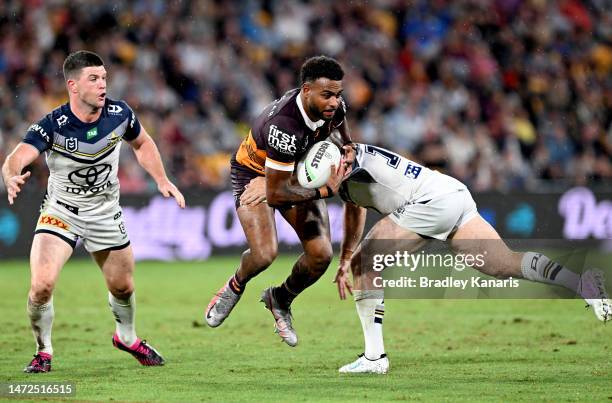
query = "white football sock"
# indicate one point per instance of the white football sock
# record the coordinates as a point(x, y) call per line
point(124, 312)
point(537, 267)
point(371, 309)
point(41, 320)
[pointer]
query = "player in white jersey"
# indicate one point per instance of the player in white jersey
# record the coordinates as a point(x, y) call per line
point(81, 142)
point(418, 204)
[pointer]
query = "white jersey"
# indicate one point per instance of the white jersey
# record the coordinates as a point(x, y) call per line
point(385, 181)
point(83, 158)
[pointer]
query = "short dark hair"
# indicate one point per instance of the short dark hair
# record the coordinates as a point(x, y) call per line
point(78, 60)
point(321, 66)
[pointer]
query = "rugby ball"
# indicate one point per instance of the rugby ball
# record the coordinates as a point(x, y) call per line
point(313, 170)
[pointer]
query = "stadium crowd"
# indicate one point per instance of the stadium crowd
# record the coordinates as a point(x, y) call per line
point(504, 95)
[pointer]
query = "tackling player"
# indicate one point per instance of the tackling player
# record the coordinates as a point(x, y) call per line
point(81, 140)
point(281, 134)
point(420, 203)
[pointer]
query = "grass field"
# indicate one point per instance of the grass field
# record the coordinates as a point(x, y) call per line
point(440, 350)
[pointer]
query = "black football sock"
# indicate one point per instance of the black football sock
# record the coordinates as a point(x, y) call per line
point(236, 286)
point(302, 276)
point(283, 295)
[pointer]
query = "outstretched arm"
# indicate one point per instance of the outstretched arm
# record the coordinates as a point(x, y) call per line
point(148, 157)
point(22, 156)
point(354, 222)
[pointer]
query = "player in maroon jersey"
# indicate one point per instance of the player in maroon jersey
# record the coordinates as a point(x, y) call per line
point(279, 137)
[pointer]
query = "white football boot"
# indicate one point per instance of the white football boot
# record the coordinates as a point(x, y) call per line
point(221, 305)
point(593, 290)
point(282, 316)
point(365, 366)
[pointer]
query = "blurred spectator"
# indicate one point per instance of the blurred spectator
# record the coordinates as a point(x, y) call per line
point(503, 94)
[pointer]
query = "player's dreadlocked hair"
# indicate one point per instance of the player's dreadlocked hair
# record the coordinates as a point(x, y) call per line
point(320, 66)
point(78, 60)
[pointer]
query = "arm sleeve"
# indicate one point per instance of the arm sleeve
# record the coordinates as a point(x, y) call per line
point(39, 135)
point(133, 129)
point(281, 138)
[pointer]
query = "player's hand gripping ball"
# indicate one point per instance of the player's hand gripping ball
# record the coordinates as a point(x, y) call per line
point(313, 170)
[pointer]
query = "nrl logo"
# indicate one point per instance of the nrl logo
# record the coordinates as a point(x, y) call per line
point(71, 144)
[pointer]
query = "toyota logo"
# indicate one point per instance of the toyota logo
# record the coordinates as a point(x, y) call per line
point(87, 177)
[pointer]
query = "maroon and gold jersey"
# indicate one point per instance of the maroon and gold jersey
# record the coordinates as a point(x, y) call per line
point(282, 133)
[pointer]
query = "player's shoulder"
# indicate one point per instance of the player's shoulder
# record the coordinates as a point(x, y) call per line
point(118, 112)
point(52, 121)
point(284, 110)
point(41, 133)
point(60, 115)
point(280, 121)
point(290, 120)
point(119, 108)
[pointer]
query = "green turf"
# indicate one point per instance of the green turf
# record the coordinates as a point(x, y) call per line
point(440, 350)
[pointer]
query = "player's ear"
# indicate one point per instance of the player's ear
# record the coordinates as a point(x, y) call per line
point(71, 85)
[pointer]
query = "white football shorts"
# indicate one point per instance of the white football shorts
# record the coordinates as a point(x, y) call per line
point(103, 231)
point(438, 217)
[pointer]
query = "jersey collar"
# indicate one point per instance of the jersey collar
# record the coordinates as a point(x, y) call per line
point(311, 125)
point(71, 114)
